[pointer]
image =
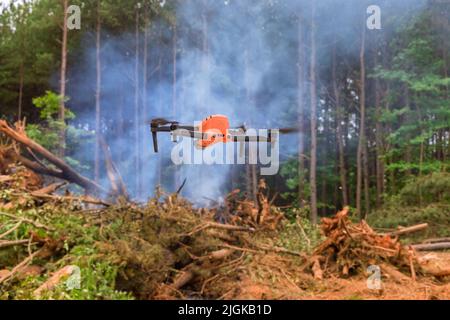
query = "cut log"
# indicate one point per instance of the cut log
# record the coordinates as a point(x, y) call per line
point(436, 240)
point(411, 229)
point(67, 172)
point(432, 246)
point(394, 274)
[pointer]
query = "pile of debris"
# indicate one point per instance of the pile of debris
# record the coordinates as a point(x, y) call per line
point(351, 248)
point(259, 213)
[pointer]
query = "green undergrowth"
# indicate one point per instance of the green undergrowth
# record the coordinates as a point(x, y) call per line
point(78, 239)
point(127, 251)
point(423, 199)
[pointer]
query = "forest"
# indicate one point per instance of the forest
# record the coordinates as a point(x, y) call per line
point(358, 92)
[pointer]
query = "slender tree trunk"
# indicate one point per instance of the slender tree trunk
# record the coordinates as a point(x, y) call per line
point(174, 90)
point(379, 160)
point(301, 112)
point(408, 155)
point(339, 137)
point(366, 174)
point(62, 83)
point(251, 174)
point(313, 164)
point(97, 97)
point(137, 168)
point(362, 128)
point(21, 81)
point(143, 184)
point(160, 103)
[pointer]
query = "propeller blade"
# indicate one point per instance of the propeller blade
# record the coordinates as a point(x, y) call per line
point(288, 130)
point(162, 122)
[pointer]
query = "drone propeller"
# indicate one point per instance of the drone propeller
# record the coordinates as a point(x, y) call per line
point(289, 130)
point(162, 122)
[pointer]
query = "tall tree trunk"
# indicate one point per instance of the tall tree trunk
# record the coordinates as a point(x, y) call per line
point(21, 81)
point(97, 97)
point(362, 127)
point(301, 112)
point(137, 168)
point(62, 80)
point(313, 164)
point(339, 137)
point(160, 101)
point(251, 174)
point(174, 91)
point(379, 160)
point(143, 184)
point(366, 174)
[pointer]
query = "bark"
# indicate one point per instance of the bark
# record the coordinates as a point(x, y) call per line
point(313, 164)
point(137, 168)
point(379, 160)
point(301, 112)
point(144, 84)
point(366, 174)
point(97, 97)
point(62, 83)
point(432, 246)
point(339, 137)
point(411, 229)
point(252, 178)
point(174, 89)
point(21, 81)
point(362, 128)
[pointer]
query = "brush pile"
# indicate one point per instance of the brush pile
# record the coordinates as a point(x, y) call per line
point(163, 249)
point(350, 248)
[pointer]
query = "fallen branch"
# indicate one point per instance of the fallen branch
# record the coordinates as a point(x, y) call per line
point(9, 243)
point(411, 229)
point(432, 246)
point(282, 250)
point(216, 225)
point(393, 273)
point(50, 188)
point(17, 225)
point(20, 266)
point(55, 279)
point(67, 172)
point(85, 199)
point(35, 223)
point(436, 240)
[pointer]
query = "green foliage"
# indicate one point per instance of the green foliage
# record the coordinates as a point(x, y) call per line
point(49, 106)
point(299, 234)
point(394, 214)
point(422, 200)
point(433, 188)
point(98, 272)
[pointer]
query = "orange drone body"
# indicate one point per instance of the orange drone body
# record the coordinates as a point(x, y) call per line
point(215, 129)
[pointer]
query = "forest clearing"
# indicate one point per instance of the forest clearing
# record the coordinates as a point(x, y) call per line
point(224, 150)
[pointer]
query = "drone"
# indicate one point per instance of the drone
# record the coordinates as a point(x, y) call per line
point(211, 130)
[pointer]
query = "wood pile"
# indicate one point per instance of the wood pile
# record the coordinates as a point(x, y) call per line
point(350, 248)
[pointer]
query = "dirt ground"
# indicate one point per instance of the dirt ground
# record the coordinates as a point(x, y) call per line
point(276, 278)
